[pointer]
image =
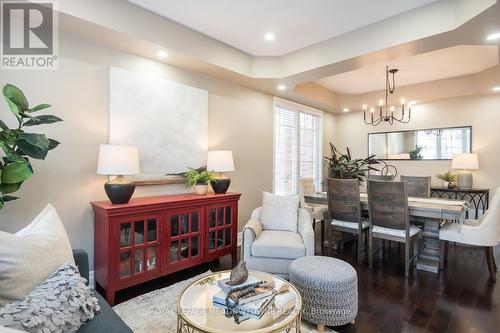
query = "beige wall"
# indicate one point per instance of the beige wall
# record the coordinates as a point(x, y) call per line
point(240, 119)
point(481, 112)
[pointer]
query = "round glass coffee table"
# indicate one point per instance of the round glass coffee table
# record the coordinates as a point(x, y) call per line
point(196, 312)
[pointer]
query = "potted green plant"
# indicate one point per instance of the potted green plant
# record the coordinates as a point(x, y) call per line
point(19, 144)
point(415, 154)
point(199, 178)
point(342, 166)
point(449, 179)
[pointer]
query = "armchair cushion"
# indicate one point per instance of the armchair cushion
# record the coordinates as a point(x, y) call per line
point(279, 244)
point(279, 212)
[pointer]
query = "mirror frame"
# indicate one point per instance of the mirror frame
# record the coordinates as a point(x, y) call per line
point(414, 130)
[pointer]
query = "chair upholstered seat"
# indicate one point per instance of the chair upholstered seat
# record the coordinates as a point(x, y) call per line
point(279, 244)
point(350, 225)
point(395, 232)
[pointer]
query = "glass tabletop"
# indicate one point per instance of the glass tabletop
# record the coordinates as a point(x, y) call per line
point(196, 308)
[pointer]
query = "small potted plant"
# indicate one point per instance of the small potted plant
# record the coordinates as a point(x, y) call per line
point(199, 178)
point(449, 179)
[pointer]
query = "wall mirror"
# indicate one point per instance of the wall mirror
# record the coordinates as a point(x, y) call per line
point(423, 144)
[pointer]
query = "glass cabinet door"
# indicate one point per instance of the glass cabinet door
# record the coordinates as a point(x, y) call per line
point(184, 236)
point(138, 246)
point(220, 228)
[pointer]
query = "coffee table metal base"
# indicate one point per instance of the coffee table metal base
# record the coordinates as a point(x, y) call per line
point(293, 326)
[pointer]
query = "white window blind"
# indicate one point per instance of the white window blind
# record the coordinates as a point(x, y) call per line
point(297, 146)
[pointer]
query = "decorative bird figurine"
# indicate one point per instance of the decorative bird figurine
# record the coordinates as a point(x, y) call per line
point(238, 275)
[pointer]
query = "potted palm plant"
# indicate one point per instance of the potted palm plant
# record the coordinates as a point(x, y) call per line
point(343, 166)
point(199, 179)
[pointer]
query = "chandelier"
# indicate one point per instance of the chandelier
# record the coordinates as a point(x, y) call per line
point(386, 111)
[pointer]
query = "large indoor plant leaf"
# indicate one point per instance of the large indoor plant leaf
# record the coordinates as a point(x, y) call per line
point(39, 107)
point(16, 172)
point(10, 188)
point(44, 119)
point(16, 96)
point(34, 145)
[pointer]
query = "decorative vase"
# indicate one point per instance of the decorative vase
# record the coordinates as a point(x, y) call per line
point(201, 189)
point(446, 184)
point(451, 185)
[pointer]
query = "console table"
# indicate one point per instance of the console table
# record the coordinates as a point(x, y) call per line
point(478, 198)
point(156, 236)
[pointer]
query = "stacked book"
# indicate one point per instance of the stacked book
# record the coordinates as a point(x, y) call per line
point(253, 304)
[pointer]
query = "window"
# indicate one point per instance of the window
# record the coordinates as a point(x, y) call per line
point(443, 143)
point(298, 135)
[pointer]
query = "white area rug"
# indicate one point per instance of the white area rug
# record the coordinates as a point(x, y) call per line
point(155, 312)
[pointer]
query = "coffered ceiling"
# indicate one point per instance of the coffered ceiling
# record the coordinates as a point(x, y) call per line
point(294, 23)
point(441, 64)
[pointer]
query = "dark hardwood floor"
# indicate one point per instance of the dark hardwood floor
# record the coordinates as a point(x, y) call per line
point(461, 298)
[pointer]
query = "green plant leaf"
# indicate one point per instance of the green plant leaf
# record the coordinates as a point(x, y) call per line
point(16, 172)
point(39, 107)
point(3, 126)
point(34, 145)
point(44, 119)
point(1, 203)
point(10, 188)
point(14, 108)
point(7, 198)
point(53, 144)
point(16, 96)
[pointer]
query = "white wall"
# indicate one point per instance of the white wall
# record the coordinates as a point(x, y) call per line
point(481, 112)
point(240, 119)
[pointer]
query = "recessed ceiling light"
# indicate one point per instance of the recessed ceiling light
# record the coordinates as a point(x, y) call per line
point(412, 103)
point(496, 89)
point(281, 87)
point(162, 54)
point(269, 36)
point(345, 109)
point(493, 36)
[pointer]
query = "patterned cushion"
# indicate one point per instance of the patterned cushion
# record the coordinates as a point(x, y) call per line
point(62, 303)
point(395, 232)
point(351, 225)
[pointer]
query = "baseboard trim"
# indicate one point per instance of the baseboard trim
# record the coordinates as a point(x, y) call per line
point(91, 279)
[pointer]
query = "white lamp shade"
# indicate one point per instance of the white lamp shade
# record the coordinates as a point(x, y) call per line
point(220, 160)
point(465, 161)
point(118, 160)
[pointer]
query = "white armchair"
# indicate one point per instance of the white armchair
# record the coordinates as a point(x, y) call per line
point(484, 232)
point(273, 251)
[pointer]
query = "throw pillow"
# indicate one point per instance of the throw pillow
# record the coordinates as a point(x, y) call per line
point(62, 303)
point(279, 212)
point(28, 257)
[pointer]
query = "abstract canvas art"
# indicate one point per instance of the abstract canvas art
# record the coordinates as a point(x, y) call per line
point(167, 121)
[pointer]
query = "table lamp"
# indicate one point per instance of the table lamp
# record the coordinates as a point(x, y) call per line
point(465, 162)
point(220, 161)
point(119, 161)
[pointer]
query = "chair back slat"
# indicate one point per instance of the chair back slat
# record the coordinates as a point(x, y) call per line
point(419, 187)
point(388, 204)
point(385, 178)
point(343, 200)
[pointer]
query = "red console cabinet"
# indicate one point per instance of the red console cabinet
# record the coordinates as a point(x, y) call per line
point(155, 236)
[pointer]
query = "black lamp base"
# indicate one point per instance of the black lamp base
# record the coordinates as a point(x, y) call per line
point(221, 185)
point(119, 193)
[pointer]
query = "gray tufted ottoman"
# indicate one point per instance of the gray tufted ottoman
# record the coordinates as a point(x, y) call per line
point(329, 290)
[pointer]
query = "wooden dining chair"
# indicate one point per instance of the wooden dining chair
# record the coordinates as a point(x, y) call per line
point(344, 211)
point(419, 187)
point(390, 220)
point(385, 178)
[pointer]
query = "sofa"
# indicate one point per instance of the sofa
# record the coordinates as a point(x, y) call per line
point(107, 321)
point(273, 251)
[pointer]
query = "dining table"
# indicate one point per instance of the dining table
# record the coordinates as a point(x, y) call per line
point(429, 212)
